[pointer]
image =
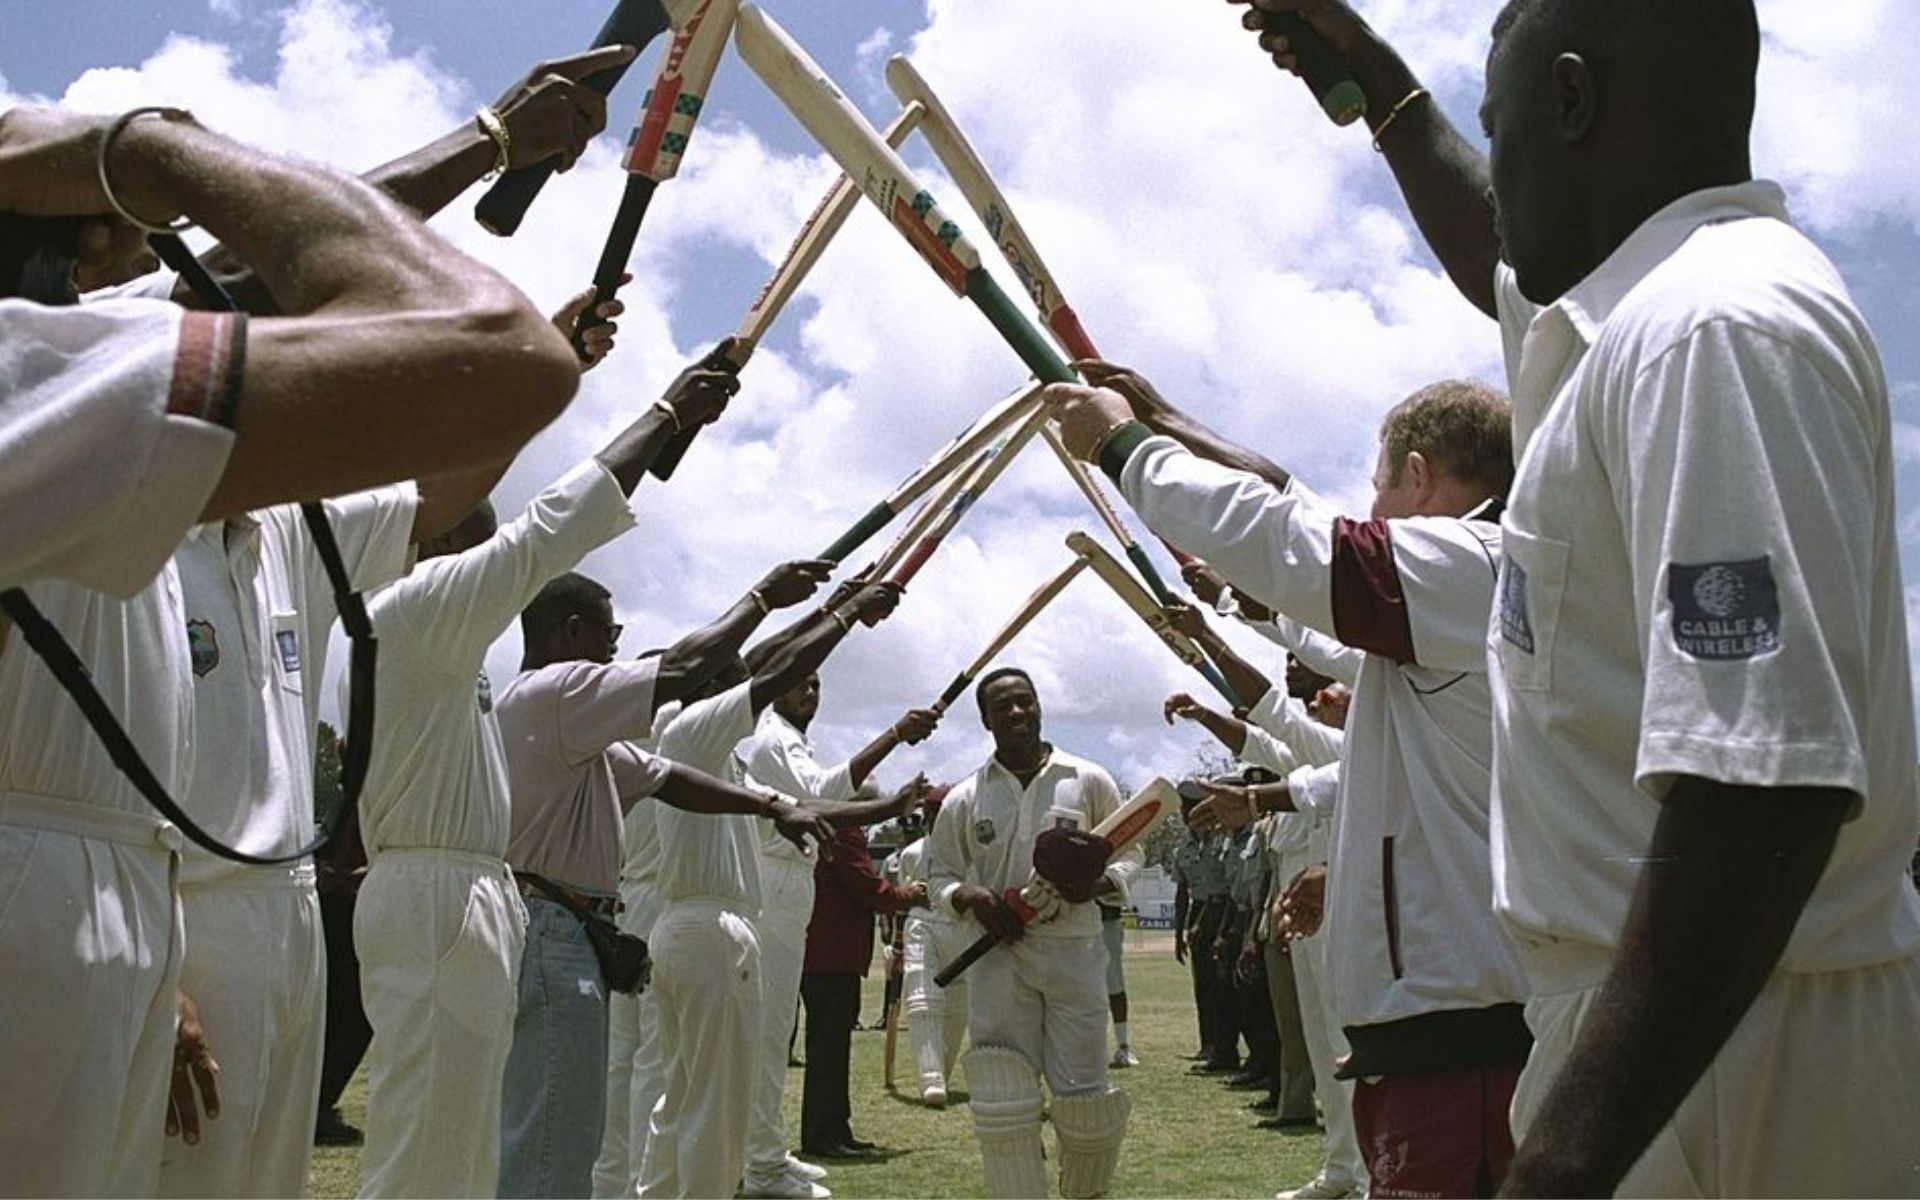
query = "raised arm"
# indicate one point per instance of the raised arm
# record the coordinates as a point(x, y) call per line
point(802, 656)
point(404, 357)
point(1442, 176)
point(1242, 676)
point(1228, 731)
point(690, 662)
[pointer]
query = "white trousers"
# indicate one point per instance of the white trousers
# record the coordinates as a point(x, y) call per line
point(440, 934)
point(1326, 1042)
point(1813, 1095)
point(636, 1076)
point(256, 969)
point(91, 943)
point(787, 888)
point(1045, 997)
point(707, 973)
point(936, 1016)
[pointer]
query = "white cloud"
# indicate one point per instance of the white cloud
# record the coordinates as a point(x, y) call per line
point(1209, 225)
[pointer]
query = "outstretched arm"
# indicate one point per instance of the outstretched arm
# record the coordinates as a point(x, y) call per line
point(1230, 732)
point(1242, 676)
point(1153, 411)
point(1442, 176)
point(690, 662)
point(802, 656)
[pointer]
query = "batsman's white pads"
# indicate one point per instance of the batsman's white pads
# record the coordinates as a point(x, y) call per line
point(1006, 1118)
point(1090, 1129)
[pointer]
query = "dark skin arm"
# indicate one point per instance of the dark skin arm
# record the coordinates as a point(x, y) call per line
point(1242, 676)
point(698, 792)
point(1442, 176)
point(1728, 873)
point(1229, 807)
point(909, 730)
point(843, 814)
point(696, 397)
point(802, 656)
point(690, 662)
point(1228, 731)
point(1153, 411)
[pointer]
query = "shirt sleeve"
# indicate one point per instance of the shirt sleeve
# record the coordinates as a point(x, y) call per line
point(1281, 716)
point(948, 852)
point(600, 704)
point(1315, 789)
point(1262, 749)
point(108, 439)
point(1322, 654)
point(782, 759)
point(467, 600)
point(1417, 591)
point(636, 774)
point(705, 733)
point(1755, 475)
point(374, 530)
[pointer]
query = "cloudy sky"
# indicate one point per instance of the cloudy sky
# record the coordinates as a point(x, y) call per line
point(1210, 226)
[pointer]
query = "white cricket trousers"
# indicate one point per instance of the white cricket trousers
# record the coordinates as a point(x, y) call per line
point(256, 969)
point(636, 1065)
point(90, 952)
point(439, 933)
point(786, 886)
point(1815, 1094)
point(707, 973)
point(936, 1016)
point(1047, 998)
point(1326, 1041)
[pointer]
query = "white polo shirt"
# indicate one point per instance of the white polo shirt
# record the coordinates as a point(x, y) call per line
point(1703, 575)
point(705, 856)
point(781, 758)
point(988, 823)
point(105, 462)
point(1411, 888)
point(438, 777)
point(259, 609)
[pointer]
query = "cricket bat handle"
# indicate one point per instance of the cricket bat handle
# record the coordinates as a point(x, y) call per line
point(1333, 86)
point(971, 955)
point(614, 256)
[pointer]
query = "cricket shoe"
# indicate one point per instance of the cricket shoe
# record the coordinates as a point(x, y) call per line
point(812, 1172)
point(1320, 1188)
point(782, 1185)
point(1124, 1057)
point(934, 1097)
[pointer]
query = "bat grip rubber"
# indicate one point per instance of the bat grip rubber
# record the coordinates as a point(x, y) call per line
point(1066, 324)
point(873, 522)
point(1021, 334)
point(1138, 556)
point(1221, 685)
point(972, 954)
point(1339, 95)
point(952, 693)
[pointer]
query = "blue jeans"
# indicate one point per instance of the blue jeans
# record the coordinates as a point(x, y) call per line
point(554, 1098)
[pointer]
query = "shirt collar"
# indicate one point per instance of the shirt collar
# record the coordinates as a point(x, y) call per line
point(1590, 302)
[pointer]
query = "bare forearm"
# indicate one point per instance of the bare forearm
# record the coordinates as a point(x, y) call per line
point(1243, 677)
point(1208, 444)
point(1441, 174)
point(846, 814)
point(871, 756)
point(1230, 732)
point(432, 177)
point(794, 661)
point(629, 455)
point(1724, 883)
point(698, 792)
point(690, 662)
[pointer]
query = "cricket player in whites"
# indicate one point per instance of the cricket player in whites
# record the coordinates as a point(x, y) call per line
point(1038, 1002)
point(936, 1016)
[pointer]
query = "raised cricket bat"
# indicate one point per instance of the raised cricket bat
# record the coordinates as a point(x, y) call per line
point(1041, 597)
point(807, 248)
point(972, 486)
point(1147, 609)
point(983, 195)
point(658, 141)
point(1037, 901)
point(632, 23)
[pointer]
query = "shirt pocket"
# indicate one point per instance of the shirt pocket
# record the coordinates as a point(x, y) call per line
point(1526, 613)
point(287, 650)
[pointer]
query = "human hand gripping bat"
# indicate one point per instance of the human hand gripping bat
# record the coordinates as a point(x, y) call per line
point(798, 823)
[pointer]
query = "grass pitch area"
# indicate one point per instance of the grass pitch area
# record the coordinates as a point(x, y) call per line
point(1189, 1136)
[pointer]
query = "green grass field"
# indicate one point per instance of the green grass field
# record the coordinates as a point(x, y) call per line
point(1189, 1135)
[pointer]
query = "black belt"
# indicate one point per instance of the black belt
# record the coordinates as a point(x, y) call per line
point(536, 885)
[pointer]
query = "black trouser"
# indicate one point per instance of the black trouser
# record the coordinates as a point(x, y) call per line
point(833, 1007)
point(1216, 997)
point(1252, 1004)
point(347, 1033)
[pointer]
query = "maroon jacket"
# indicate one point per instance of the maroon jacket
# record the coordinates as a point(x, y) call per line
point(847, 892)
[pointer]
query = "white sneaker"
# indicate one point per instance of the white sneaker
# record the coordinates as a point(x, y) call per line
point(783, 1186)
point(810, 1172)
point(1123, 1057)
point(1319, 1188)
point(934, 1096)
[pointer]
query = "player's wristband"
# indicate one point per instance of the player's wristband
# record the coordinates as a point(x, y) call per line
point(1118, 446)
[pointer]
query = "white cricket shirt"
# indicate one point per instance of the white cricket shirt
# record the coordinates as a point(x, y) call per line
point(1702, 575)
point(1411, 887)
point(988, 822)
point(105, 462)
point(438, 777)
point(705, 856)
point(259, 609)
point(781, 758)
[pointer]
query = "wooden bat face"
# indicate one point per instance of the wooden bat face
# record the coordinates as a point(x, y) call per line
point(810, 94)
point(1136, 597)
point(1138, 816)
point(680, 90)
